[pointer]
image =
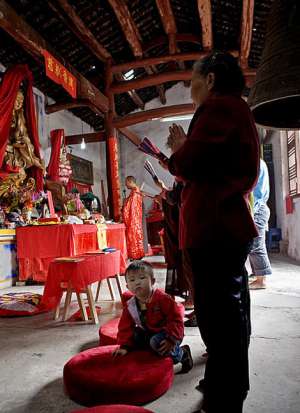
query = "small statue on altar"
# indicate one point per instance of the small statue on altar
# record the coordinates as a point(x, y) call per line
point(65, 169)
point(19, 152)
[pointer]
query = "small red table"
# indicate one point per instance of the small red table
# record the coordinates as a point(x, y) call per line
point(77, 277)
point(115, 236)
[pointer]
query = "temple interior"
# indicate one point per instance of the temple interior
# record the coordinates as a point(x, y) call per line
point(98, 102)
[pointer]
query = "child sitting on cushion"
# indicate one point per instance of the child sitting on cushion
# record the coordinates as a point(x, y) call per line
point(151, 318)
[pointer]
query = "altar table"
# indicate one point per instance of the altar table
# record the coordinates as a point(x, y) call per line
point(78, 276)
point(37, 246)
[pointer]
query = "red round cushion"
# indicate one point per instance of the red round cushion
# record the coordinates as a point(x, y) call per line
point(95, 377)
point(108, 332)
point(114, 408)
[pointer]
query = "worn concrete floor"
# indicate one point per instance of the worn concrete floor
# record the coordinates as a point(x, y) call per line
point(33, 351)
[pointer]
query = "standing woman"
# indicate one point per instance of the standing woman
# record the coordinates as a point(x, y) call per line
point(218, 160)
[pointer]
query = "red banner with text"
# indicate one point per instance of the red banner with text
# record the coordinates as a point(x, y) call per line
point(59, 74)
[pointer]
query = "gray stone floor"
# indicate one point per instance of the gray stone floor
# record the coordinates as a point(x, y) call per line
point(34, 350)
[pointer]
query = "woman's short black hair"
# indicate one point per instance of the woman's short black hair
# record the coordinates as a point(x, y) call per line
point(229, 78)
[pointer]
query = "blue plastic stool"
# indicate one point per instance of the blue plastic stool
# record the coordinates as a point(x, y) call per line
point(273, 237)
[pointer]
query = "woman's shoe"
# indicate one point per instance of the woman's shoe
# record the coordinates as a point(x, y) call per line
point(192, 322)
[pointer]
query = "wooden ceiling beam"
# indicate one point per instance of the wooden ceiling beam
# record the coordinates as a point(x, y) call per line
point(246, 31)
point(133, 137)
point(204, 9)
point(168, 21)
point(123, 67)
point(93, 137)
point(136, 99)
point(132, 93)
point(76, 103)
point(128, 26)
point(153, 114)
point(83, 33)
point(151, 80)
point(34, 44)
point(132, 35)
point(151, 70)
point(58, 106)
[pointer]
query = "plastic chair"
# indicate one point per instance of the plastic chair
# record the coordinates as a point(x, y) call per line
point(273, 237)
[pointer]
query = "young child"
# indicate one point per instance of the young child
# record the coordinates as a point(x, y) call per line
point(151, 318)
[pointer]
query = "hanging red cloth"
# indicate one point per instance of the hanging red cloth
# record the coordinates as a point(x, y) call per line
point(82, 188)
point(9, 87)
point(132, 217)
point(57, 136)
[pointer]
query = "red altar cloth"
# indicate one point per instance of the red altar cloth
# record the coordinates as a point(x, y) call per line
point(81, 274)
point(37, 246)
point(115, 236)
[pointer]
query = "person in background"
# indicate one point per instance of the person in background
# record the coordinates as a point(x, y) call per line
point(132, 216)
point(258, 256)
point(219, 161)
point(178, 279)
point(151, 319)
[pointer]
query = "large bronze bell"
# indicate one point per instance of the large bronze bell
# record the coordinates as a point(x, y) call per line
point(275, 96)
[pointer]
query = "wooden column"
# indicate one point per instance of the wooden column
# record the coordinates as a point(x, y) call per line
point(112, 153)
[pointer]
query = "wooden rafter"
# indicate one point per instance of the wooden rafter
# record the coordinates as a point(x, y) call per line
point(83, 33)
point(151, 80)
point(151, 71)
point(179, 37)
point(88, 138)
point(137, 100)
point(56, 107)
point(246, 31)
point(132, 93)
point(162, 112)
point(123, 67)
point(133, 137)
point(204, 8)
point(133, 37)
point(34, 44)
point(168, 22)
point(128, 26)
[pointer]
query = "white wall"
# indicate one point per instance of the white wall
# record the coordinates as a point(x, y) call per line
point(289, 223)
point(132, 160)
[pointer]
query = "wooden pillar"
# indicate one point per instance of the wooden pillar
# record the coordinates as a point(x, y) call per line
point(112, 153)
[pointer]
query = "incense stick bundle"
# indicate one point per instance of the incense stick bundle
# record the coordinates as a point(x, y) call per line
point(149, 168)
point(149, 148)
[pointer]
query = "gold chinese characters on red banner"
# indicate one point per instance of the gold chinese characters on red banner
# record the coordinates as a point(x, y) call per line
point(59, 74)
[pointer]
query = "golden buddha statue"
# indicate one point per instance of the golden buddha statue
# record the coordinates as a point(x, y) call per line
point(20, 150)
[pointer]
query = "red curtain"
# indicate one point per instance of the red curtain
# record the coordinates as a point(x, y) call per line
point(57, 136)
point(82, 188)
point(9, 87)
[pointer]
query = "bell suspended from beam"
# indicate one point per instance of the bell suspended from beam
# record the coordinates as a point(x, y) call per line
point(275, 97)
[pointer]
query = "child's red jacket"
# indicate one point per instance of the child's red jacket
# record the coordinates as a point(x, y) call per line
point(162, 314)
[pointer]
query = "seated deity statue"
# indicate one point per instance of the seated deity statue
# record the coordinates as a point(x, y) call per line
point(20, 150)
